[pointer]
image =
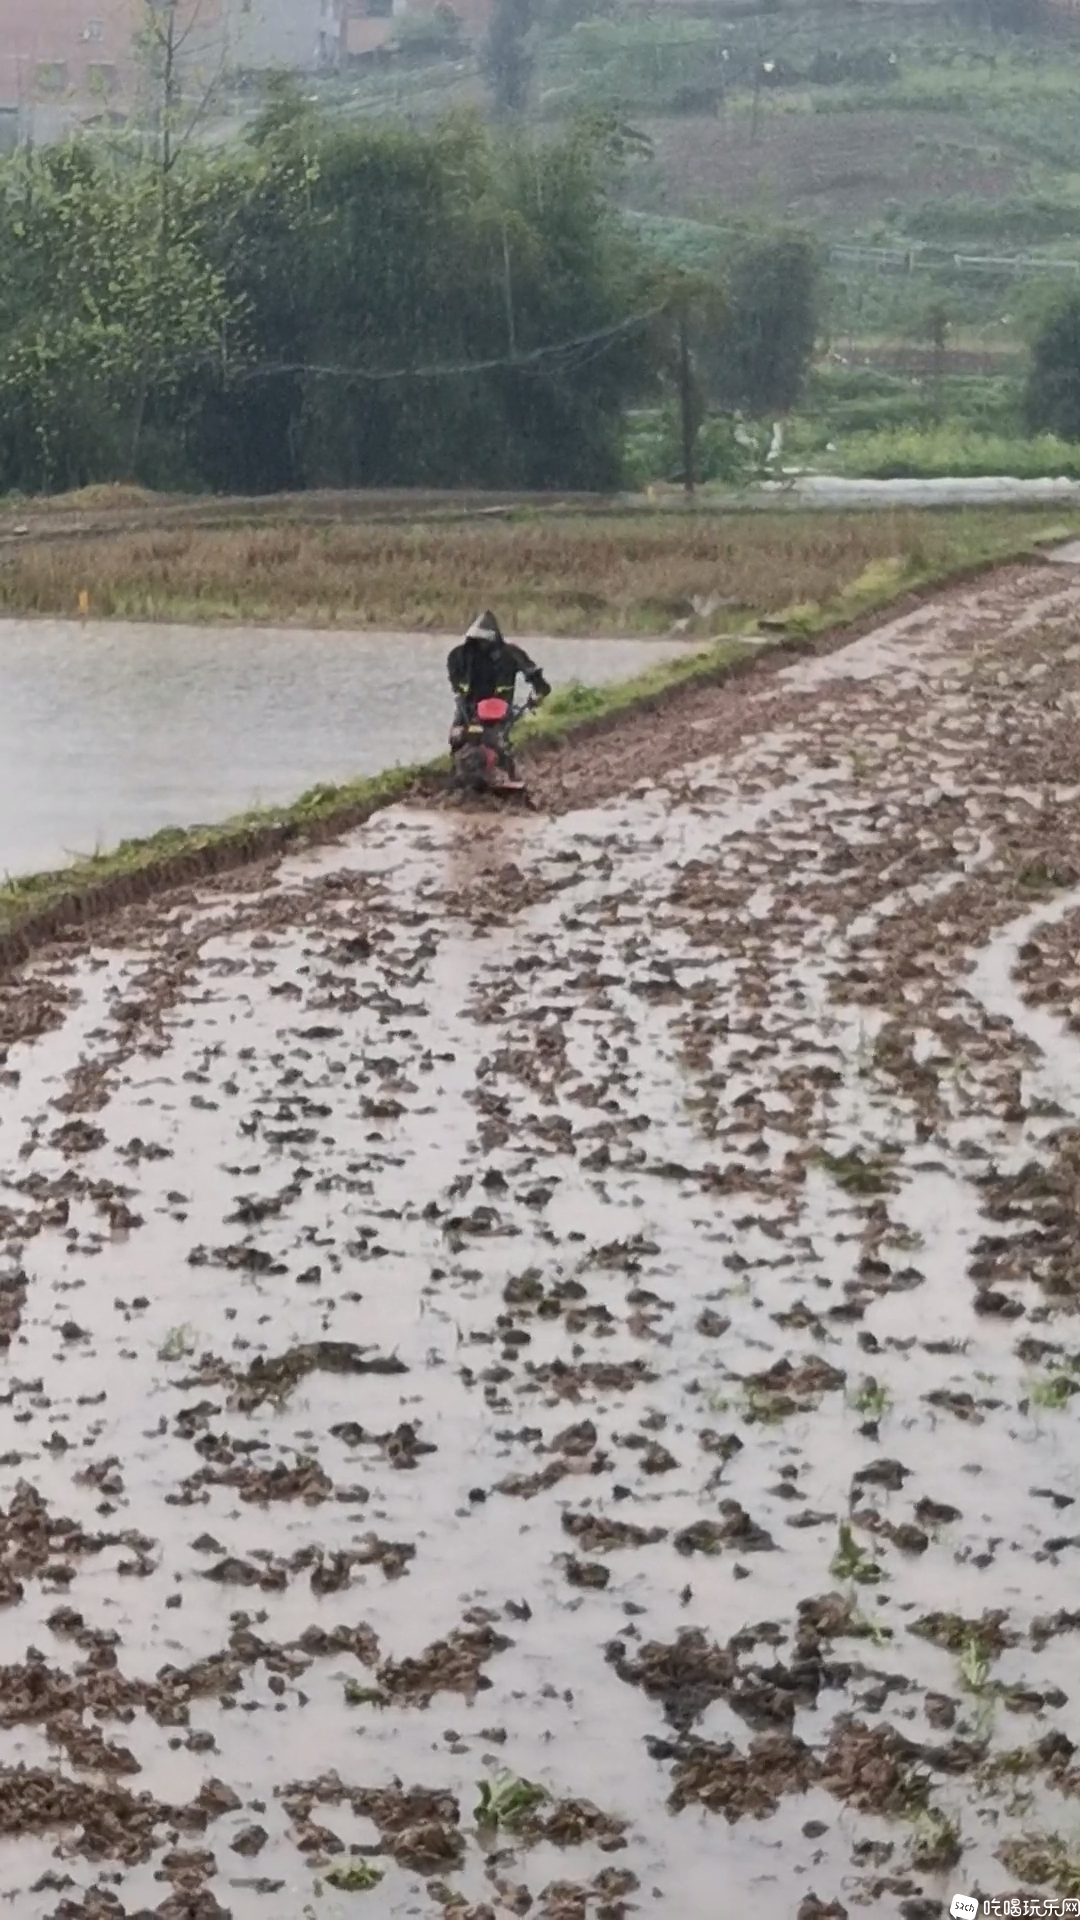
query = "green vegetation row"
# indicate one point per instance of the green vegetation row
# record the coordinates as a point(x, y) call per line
point(871, 423)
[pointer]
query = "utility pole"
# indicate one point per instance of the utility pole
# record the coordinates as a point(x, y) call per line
point(686, 403)
point(508, 287)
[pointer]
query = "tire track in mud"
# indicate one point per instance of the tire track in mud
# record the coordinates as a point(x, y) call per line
point(583, 1304)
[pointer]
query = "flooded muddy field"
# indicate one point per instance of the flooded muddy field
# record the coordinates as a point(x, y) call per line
point(541, 1351)
point(110, 731)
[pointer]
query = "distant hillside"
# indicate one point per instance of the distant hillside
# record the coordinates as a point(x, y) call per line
point(920, 131)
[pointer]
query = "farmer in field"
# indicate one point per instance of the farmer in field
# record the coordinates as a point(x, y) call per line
point(485, 666)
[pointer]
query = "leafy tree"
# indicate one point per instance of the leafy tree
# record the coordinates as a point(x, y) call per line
point(95, 313)
point(356, 305)
point(691, 309)
point(1052, 393)
point(764, 353)
point(183, 51)
point(382, 267)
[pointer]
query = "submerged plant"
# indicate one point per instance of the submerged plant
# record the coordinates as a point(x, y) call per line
point(974, 1665)
point(756, 1405)
point(1009, 1774)
point(1040, 876)
point(905, 1239)
point(359, 1876)
point(178, 1343)
point(865, 1627)
point(357, 1695)
point(1052, 1391)
point(857, 1175)
point(851, 1562)
point(936, 1843)
point(764, 1408)
point(870, 1399)
point(506, 1799)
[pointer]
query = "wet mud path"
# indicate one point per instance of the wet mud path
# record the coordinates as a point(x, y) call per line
point(539, 1354)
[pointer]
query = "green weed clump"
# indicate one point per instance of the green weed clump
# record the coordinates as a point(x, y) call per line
point(1043, 1859)
point(359, 1876)
point(851, 1562)
point(870, 1398)
point(936, 1842)
point(506, 1799)
point(858, 1174)
point(1052, 1391)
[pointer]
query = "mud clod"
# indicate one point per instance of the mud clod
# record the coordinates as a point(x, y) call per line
point(419, 1826)
point(736, 1529)
point(738, 1785)
point(453, 1665)
point(685, 1677)
point(595, 1533)
point(610, 1221)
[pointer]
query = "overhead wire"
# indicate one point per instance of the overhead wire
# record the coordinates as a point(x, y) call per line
point(584, 346)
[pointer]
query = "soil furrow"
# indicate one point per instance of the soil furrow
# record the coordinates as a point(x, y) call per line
point(541, 1350)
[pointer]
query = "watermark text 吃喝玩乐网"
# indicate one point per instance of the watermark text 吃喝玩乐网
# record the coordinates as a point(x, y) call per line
point(966, 1906)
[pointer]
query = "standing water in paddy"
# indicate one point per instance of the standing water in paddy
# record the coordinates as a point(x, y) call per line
point(109, 733)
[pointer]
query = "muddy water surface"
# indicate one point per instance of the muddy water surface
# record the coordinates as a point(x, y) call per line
point(109, 732)
point(586, 1298)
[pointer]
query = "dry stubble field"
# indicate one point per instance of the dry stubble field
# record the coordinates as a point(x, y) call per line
point(545, 572)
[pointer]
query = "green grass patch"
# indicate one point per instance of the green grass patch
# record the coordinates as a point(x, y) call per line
point(951, 452)
point(974, 1665)
point(570, 706)
point(878, 581)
